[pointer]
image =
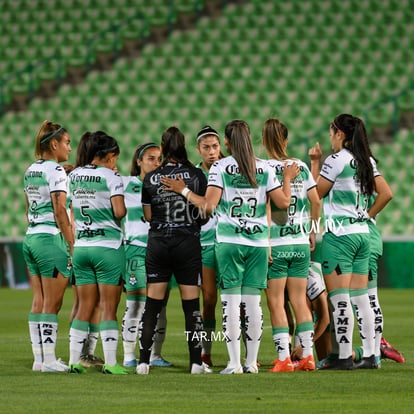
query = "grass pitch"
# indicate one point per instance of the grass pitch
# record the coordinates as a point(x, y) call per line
point(170, 390)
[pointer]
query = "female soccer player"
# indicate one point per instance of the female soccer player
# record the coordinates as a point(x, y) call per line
point(208, 145)
point(173, 248)
point(97, 196)
point(346, 181)
point(292, 238)
point(45, 251)
point(146, 158)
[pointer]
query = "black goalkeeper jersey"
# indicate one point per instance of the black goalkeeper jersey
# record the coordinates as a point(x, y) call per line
point(171, 212)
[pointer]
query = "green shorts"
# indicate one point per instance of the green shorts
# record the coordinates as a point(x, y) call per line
point(46, 255)
point(98, 265)
point(289, 261)
point(345, 254)
point(239, 265)
point(135, 275)
point(208, 256)
point(376, 250)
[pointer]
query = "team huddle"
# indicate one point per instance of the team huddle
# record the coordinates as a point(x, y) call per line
point(231, 226)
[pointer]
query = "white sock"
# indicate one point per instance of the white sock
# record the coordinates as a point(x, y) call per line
point(305, 333)
point(130, 323)
point(231, 326)
point(93, 337)
point(78, 334)
point(109, 338)
point(48, 332)
point(343, 320)
point(159, 336)
point(365, 317)
point(35, 337)
point(254, 326)
point(379, 320)
point(280, 337)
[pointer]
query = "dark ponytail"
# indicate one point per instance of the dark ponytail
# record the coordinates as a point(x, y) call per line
point(173, 146)
point(356, 141)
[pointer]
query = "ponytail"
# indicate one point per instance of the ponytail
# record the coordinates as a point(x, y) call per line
point(356, 141)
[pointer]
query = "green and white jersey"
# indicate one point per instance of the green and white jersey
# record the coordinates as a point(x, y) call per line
point(135, 226)
point(208, 230)
point(241, 212)
point(292, 226)
point(91, 189)
point(41, 179)
point(345, 206)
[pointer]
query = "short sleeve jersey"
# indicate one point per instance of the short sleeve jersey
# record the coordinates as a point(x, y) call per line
point(135, 226)
point(41, 179)
point(241, 212)
point(171, 213)
point(345, 205)
point(208, 230)
point(292, 226)
point(91, 190)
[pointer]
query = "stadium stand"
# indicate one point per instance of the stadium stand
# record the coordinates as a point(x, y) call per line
point(302, 61)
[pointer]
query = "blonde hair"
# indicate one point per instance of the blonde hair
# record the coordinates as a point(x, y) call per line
point(47, 131)
point(274, 135)
point(237, 133)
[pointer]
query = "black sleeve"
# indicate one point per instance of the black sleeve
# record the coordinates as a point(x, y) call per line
point(199, 184)
point(145, 196)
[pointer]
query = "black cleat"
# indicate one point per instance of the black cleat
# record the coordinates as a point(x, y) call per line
point(367, 363)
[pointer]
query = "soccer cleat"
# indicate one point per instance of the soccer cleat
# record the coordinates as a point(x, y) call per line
point(206, 358)
point(230, 370)
point(88, 361)
point(282, 366)
point(142, 369)
point(327, 362)
point(160, 362)
point(252, 369)
point(389, 352)
point(114, 370)
point(366, 363)
point(130, 364)
point(37, 366)
point(200, 369)
point(344, 364)
point(76, 369)
point(55, 366)
point(306, 364)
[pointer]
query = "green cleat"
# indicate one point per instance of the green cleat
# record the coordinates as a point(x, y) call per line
point(114, 369)
point(76, 369)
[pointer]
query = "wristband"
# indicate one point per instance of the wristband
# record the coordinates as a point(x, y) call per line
point(185, 191)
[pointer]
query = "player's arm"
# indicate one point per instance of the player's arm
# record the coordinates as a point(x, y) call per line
point(147, 212)
point(281, 196)
point(61, 216)
point(384, 196)
point(315, 211)
point(118, 206)
point(315, 155)
point(320, 307)
point(206, 203)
